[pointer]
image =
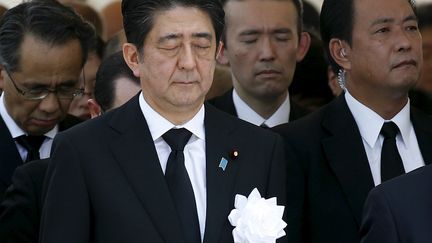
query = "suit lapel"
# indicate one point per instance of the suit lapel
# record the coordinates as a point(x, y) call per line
point(423, 129)
point(346, 155)
point(220, 183)
point(134, 150)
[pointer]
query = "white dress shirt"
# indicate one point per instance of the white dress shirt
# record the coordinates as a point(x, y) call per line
point(16, 131)
point(194, 152)
point(246, 113)
point(370, 124)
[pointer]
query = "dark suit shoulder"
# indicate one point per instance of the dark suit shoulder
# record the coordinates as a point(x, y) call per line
point(297, 111)
point(308, 125)
point(224, 103)
point(399, 210)
point(20, 211)
point(69, 121)
point(412, 182)
point(10, 158)
point(35, 170)
point(237, 124)
point(91, 128)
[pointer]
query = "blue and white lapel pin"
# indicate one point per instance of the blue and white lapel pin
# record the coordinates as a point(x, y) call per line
point(223, 163)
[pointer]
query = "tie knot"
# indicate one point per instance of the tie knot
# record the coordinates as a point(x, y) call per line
point(389, 130)
point(30, 142)
point(263, 125)
point(177, 138)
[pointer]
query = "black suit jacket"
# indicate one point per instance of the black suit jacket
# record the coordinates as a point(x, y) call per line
point(329, 176)
point(225, 103)
point(10, 158)
point(106, 183)
point(21, 208)
point(400, 210)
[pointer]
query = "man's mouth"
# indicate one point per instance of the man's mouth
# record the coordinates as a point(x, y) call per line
point(405, 63)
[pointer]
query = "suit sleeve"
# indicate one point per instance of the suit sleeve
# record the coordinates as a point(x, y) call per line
point(66, 210)
point(378, 224)
point(19, 217)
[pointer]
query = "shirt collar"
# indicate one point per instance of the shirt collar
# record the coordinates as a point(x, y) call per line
point(159, 125)
point(370, 123)
point(14, 129)
point(245, 112)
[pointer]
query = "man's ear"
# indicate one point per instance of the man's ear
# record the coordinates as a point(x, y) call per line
point(303, 46)
point(221, 55)
point(131, 56)
point(339, 50)
point(94, 107)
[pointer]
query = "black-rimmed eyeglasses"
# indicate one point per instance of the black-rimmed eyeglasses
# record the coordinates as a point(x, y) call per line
point(61, 92)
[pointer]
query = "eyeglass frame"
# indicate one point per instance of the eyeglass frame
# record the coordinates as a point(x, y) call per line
point(77, 91)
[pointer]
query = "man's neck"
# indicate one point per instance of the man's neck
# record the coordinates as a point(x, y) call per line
point(264, 107)
point(386, 104)
point(177, 115)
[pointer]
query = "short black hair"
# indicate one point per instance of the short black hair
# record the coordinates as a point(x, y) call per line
point(311, 18)
point(97, 46)
point(337, 21)
point(299, 9)
point(47, 20)
point(138, 16)
point(424, 15)
point(111, 69)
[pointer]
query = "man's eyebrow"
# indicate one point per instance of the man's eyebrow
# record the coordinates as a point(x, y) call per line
point(410, 18)
point(175, 36)
point(282, 31)
point(392, 20)
point(384, 20)
point(250, 32)
point(257, 32)
point(170, 36)
point(204, 35)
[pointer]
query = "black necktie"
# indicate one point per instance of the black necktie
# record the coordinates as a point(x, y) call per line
point(264, 126)
point(180, 185)
point(32, 144)
point(391, 162)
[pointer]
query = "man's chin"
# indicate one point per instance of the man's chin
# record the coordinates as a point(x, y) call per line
point(40, 127)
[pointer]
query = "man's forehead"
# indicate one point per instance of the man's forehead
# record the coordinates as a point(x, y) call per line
point(382, 11)
point(182, 20)
point(273, 12)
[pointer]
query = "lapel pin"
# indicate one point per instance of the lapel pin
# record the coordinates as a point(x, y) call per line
point(223, 163)
point(234, 154)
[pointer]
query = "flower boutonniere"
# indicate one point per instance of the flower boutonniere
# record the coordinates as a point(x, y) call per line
point(256, 219)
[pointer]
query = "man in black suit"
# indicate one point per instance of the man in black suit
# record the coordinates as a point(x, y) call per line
point(116, 178)
point(338, 154)
point(262, 42)
point(400, 210)
point(43, 49)
point(21, 208)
